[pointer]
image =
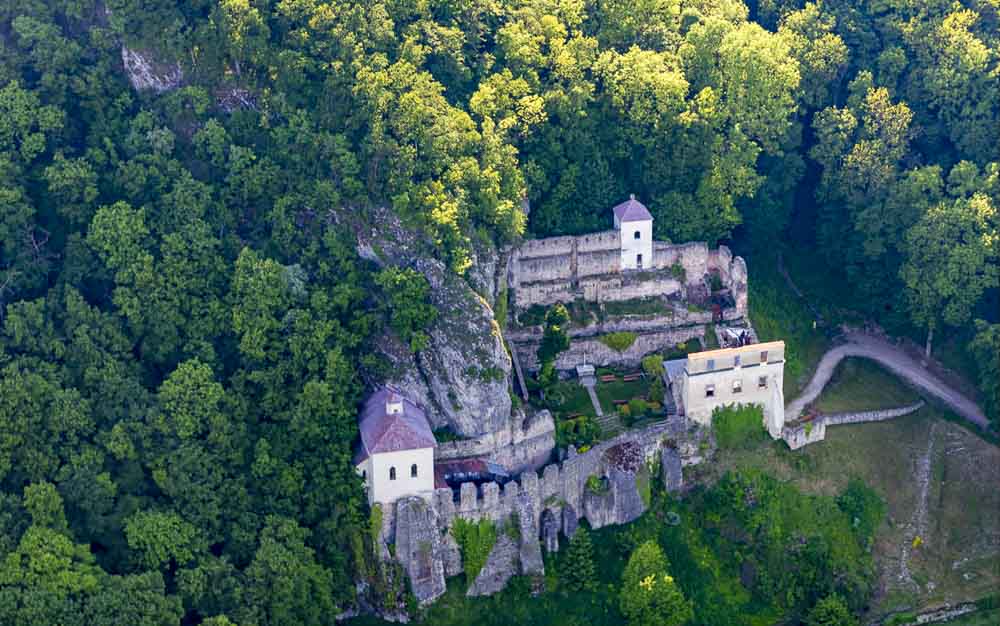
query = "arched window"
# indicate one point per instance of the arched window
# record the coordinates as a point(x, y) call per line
point(637, 235)
point(413, 471)
point(392, 473)
point(364, 475)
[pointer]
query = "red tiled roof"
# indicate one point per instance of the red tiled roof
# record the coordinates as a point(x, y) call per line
point(380, 432)
point(632, 211)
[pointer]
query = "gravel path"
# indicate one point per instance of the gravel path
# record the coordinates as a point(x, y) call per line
point(895, 360)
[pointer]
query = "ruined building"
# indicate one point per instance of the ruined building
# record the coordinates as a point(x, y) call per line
point(665, 293)
point(750, 374)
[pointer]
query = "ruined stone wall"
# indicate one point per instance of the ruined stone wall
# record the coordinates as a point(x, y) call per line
point(633, 323)
point(592, 350)
point(801, 434)
point(859, 417)
point(598, 262)
point(551, 502)
point(617, 288)
point(562, 269)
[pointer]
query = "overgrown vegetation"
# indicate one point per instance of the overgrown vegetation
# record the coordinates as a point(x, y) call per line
point(188, 327)
point(554, 340)
point(618, 341)
point(476, 541)
point(577, 570)
point(738, 426)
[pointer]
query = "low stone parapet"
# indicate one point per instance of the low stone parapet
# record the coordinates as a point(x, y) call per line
point(804, 432)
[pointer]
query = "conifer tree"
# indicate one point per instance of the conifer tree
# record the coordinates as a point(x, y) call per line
point(579, 573)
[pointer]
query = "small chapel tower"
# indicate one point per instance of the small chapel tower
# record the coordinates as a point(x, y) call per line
point(395, 455)
point(635, 227)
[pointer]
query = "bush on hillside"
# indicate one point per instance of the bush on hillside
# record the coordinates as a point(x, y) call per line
point(738, 425)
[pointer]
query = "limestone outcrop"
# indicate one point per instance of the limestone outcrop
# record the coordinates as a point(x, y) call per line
point(419, 549)
point(147, 73)
point(462, 378)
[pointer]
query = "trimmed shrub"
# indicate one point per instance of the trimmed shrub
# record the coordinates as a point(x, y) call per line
point(476, 541)
point(619, 342)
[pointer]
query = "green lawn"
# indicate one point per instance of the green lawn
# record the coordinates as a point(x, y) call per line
point(607, 393)
point(863, 385)
point(637, 306)
point(569, 398)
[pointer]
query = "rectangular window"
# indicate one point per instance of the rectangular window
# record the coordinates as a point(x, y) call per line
point(762, 382)
point(711, 365)
point(638, 261)
point(709, 391)
point(763, 356)
point(737, 386)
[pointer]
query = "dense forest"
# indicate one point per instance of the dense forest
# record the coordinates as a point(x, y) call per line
point(186, 332)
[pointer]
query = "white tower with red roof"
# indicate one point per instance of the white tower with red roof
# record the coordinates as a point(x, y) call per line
point(395, 456)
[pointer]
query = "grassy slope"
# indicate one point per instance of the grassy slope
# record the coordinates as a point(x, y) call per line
point(959, 559)
point(777, 313)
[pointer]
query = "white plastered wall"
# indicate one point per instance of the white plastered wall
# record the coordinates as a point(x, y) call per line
point(632, 247)
point(698, 405)
point(383, 490)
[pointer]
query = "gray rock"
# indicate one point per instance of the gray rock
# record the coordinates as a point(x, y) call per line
point(569, 521)
point(500, 566)
point(419, 548)
point(670, 462)
point(462, 378)
point(620, 502)
point(531, 551)
point(146, 72)
point(550, 530)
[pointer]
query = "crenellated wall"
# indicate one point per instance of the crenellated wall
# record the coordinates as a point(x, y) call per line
point(551, 502)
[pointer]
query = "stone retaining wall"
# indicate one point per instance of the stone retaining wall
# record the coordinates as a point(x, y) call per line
point(799, 434)
point(592, 350)
point(561, 269)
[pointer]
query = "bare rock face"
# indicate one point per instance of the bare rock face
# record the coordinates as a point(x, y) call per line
point(146, 73)
point(419, 549)
point(462, 378)
point(670, 464)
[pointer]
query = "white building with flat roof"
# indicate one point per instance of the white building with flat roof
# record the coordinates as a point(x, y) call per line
point(752, 374)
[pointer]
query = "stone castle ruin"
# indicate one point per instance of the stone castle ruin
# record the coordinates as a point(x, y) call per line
point(661, 293)
point(676, 290)
point(608, 484)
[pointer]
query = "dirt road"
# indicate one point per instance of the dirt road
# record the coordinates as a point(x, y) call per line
point(895, 360)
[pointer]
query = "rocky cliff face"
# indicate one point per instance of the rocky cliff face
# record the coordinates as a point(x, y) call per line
point(462, 378)
point(147, 73)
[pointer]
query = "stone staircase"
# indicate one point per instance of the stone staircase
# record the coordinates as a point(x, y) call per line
point(610, 425)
